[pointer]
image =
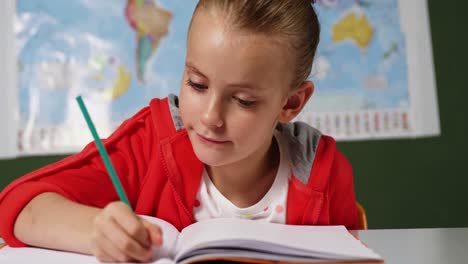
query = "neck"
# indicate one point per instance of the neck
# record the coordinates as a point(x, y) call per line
point(245, 182)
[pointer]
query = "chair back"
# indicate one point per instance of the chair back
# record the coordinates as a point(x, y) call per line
point(362, 216)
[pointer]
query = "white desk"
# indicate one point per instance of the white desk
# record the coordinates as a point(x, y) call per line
point(417, 246)
point(414, 246)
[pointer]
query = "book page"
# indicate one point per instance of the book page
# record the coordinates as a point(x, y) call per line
point(319, 241)
point(170, 235)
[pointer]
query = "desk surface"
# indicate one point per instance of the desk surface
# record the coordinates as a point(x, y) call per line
point(415, 246)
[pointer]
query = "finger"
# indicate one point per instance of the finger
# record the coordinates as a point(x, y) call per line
point(97, 251)
point(128, 245)
point(155, 233)
point(131, 223)
point(108, 252)
point(103, 256)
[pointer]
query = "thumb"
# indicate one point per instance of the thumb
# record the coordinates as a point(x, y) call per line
point(154, 232)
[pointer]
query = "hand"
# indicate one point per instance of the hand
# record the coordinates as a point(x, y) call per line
point(120, 235)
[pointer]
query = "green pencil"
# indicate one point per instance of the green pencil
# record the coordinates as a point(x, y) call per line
point(102, 150)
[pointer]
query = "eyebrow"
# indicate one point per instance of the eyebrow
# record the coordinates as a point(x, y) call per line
point(192, 67)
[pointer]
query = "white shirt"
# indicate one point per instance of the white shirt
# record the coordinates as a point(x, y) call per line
point(210, 203)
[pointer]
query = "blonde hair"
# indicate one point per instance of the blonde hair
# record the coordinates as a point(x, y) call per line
point(294, 21)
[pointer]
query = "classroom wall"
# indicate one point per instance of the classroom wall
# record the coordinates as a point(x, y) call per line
point(401, 183)
point(424, 182)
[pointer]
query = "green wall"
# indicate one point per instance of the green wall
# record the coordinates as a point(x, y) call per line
point(401, 183)
point(424, 182)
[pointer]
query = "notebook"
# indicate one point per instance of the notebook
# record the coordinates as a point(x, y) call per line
point(229, 239)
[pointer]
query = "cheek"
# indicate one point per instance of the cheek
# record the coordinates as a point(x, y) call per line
point(186, 106)
point(253, 130)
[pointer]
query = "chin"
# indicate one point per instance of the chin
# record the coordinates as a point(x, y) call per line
point(211, 158)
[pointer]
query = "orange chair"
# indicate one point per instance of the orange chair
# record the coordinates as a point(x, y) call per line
point(362, 216)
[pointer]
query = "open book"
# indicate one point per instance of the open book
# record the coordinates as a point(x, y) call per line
point(232, 240)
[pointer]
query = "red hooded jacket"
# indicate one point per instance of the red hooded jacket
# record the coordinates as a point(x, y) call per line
point(161, 175)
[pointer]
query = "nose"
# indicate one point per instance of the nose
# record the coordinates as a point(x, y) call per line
point(212, 115)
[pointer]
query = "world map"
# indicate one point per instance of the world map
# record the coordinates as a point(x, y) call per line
point(361, 59)
point(118, 54)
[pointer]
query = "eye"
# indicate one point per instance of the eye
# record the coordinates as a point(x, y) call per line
point(245, 103)
point(196, 86)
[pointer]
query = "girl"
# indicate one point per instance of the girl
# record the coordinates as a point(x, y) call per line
point(224, 148)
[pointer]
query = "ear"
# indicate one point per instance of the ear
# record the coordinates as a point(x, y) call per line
point(296, 100)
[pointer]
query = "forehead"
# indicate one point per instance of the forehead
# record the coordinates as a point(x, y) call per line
point(231, 55)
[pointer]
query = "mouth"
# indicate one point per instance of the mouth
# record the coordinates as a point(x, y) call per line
point(211, 140)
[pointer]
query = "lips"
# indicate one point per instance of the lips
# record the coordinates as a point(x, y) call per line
point(211, 140)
